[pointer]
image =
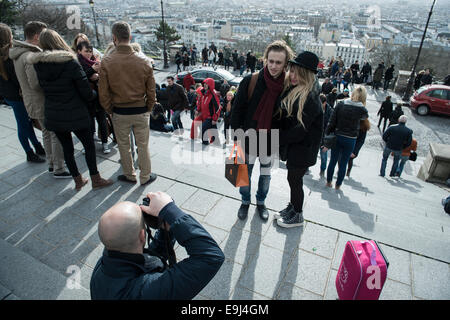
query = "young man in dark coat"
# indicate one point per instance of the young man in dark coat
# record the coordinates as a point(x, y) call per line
point(385, 112)
point(327, 86)
point(177, 101)
point(255, 114)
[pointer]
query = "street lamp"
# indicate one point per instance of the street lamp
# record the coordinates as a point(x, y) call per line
point(166, 64)
point(91, 3)
point(408, 90)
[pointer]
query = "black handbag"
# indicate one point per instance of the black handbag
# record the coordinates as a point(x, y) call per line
point(413, 156)
point(329, 141)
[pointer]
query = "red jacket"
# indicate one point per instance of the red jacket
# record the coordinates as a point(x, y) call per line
point(206, 105)
point(188, 81)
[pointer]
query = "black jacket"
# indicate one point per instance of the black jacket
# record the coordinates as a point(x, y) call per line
point(359, 142)
point(177, 100)
point(398, 137)
point(10, 89)
point(303, 142)
point(327, 87)
point(385, 110)
point(326, 118)
point(345, 119)
point(366, 69)
point(124, 276)
point(389, 74)
point(66, 89)
point(331, 99)
point(243, 111)
point(395, 115)
point(162, 97)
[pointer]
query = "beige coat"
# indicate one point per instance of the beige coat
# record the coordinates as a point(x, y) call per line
point(126, 80)
point(33, 96)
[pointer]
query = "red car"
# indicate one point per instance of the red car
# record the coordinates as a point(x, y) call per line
point(431, 99)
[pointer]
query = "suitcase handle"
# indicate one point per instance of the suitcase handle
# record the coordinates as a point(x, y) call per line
point(373, 255)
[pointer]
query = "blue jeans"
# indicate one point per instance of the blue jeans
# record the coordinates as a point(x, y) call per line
point(340, 153)
point(263, 184)
point(323, 159)
point(25, 129)
point(403, 160)
point(386, 153)
point(176, 120)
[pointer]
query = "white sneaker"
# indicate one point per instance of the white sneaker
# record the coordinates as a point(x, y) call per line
point(106, 149)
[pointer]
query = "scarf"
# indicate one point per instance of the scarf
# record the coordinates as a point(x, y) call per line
point(264, 111)
point(89, 62)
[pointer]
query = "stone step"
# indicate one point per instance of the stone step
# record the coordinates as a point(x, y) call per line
point(24, 277)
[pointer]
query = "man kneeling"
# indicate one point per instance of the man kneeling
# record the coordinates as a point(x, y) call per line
point(127, 270)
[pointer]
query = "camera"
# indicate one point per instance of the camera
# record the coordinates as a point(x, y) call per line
point(150, 221)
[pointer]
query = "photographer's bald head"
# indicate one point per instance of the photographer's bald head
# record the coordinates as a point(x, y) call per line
point(121, 228)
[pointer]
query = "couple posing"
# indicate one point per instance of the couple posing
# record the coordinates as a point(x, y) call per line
point(284, 95)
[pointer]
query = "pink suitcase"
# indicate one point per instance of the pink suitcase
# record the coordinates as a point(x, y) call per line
point(362, 272)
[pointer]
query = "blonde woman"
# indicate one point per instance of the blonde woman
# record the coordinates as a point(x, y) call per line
point(345, 124)
point(301, 130)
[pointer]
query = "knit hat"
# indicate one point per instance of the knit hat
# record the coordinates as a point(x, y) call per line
point(307, 60)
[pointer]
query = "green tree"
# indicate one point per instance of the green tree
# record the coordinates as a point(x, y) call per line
point(288, 41)
point(9, 12)
point(171, 33)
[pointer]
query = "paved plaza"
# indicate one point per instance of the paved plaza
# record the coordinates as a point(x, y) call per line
point(48, 231)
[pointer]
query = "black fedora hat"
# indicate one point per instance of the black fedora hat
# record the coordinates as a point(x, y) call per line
point(307, 60)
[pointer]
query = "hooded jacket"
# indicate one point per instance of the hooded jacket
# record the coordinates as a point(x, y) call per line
point(303, 141)
point(66, 89)
point(209, 104)
point(33, 96)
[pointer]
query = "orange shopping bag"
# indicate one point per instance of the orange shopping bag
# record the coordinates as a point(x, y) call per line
point(236, 171)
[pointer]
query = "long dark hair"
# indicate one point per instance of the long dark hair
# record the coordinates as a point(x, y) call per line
point(5, 44)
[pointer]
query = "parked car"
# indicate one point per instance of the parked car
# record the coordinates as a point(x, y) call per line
point(218, 75)
point(431, 99)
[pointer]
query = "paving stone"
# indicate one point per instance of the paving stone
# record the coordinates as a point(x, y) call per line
point(240, 245)
point(309, 271)
point(290, 292)
point(12, 297)
point(180, 193)
point(224, 281)
point(69, 253)
point(217, 234)
point(399, 264)
point(28, 278)
point(284, 239)
point(4, 292)
point(330, 291)
point(254, 223)
point(319, 240)
point(20, 230)
point(93, 256)
point(430, 278)
point(245, 294)
point(224, 214)
point(201, 202)
point(263, 275)
point(35, 247)
point(17, 206)
point(393, 290)
point(65, 226)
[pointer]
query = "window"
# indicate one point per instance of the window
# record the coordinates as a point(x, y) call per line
point(200, 75)
point(214, 76)
point(438, 94)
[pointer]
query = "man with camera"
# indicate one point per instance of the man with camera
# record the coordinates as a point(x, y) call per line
point(127, 270)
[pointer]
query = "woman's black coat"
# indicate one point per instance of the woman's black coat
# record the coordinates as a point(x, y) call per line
point(303, 142)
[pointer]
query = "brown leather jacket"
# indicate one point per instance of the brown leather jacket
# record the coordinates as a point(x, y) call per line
point(126, 80)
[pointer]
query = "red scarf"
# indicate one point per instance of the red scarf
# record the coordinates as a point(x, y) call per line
point(264, 111)
point(89, 62)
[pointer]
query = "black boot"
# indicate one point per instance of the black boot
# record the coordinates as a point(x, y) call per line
point(243, 211)
point(39, 150)
point(262, 211)
point(32, 157)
